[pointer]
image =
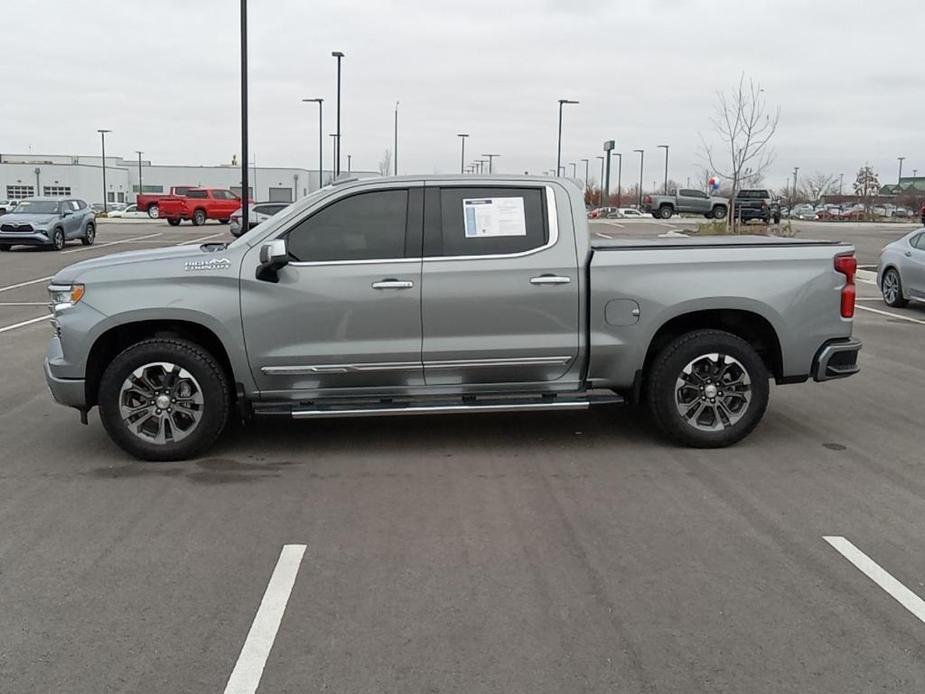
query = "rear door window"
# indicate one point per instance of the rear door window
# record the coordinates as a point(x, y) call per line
point(479, 221)
point(197, 194)
point(919, 242)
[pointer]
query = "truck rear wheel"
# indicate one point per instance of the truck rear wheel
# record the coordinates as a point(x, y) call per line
point(719, 212)
point(665, 211)
point(199, 218)
point(173, 221)
point(708, 389)
point(164, 399)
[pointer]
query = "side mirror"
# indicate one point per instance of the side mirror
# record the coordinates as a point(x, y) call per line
point(65, 213)
point(273, 257)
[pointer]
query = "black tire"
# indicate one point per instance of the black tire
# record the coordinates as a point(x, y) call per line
point(693, 347)
point(891, 288)
point(89, 235)
point(199, 218)
point(204, 368)
point(173, 221)
point(154, 211)
point(57, 239)
point(719, 212)
point(776, 219)
point(665, 211)
point(4, 249)
point(224, 221)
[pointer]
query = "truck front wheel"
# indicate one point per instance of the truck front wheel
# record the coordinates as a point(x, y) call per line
point(154, 211)
point(665, 211)
point(164, 399)
point(708, 389)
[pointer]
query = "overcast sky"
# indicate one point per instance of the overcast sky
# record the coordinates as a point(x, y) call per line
point(163, 75)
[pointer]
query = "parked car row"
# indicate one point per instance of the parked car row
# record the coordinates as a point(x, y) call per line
point(48, 222)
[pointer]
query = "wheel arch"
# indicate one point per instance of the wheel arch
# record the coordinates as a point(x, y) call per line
point(119, 337)
point(748, 325)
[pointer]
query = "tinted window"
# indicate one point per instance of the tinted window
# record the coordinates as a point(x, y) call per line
point(197, 194)
point(223, 195)
point(452, 216)
point(269, 209)
point(73, 204)
point(692, 194)
point(81, 205)
point(918, 241)
point(753, 194)
point(366, 226)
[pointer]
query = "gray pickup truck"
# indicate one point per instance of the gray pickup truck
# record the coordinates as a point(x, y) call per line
point(433, 294)
point(684, 200)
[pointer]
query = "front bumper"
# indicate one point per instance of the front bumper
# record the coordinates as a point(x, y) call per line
point(65, 391)
point(35, 238)
point(837, 359)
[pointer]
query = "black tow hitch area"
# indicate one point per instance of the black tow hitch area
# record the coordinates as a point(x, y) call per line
point(83, 416)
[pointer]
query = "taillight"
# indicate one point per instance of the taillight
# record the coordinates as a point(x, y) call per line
point(848, 266)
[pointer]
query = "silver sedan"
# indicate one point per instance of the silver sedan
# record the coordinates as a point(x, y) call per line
point(901, 273)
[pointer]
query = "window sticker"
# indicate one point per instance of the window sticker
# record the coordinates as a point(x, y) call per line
point(494, 217)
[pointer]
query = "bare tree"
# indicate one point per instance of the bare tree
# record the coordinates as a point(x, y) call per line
point(867, 185)
point(385, 164)
point(818, 184)
point(745, 127)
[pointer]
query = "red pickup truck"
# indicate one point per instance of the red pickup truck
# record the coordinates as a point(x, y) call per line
point(151, 202)
point(198, 205)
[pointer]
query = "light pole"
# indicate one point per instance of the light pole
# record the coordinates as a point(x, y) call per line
point(102, 132)
point(841, 180)
point(141, 188)
point(559, 143)
point(619, 157)
point(333, 137)
point(320, 103)
point(600, 196)
point(482, 163)
point(574, 166)
point(349, 157)
point(642, 159)
point(462, 156)
point(491, 158)
point(796, 169)
point(395, 158)
point(899, 178)
point(245, 188)
point(586, 172)
point(666, 167)
point(338, 55)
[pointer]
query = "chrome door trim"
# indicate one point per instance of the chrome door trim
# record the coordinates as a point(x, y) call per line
point(478, 363)
point(392, 284)
point(302, 370)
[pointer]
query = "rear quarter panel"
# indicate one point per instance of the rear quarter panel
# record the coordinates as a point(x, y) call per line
point(795, 288)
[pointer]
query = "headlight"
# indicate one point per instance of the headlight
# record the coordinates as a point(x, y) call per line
point(64, 296)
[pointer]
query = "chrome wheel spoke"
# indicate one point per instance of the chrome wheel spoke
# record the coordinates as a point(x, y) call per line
point(161, 403)
point(713, 392)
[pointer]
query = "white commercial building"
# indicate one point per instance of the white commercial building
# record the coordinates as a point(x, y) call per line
point(28, 175)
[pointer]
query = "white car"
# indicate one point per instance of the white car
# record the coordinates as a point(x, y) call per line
point(631, 213)
point(130, 212)
point(7, 205)
point(259, 212)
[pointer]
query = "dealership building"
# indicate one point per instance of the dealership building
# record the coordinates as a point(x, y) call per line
point(65, 175)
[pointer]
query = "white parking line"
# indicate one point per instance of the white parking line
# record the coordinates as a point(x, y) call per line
point(878, 575)
point(891, 315)
point(192, 241)
point(247, 671)
point(24, 284)
point(111, 243)
point(7, 328)
point(23, 303)
point(867, 277)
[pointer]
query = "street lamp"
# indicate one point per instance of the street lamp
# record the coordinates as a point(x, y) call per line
point(586, 173)
point(320, 103)
point(141, 188)
point(900, 177)
point(395, 158)
point(600, 197)
point(491, 158)
point(102, 132)
point(574, 166)
point(349, 168)
point(841, 180)
point(642, 159)
point(245, 188)
point(796, 169)
point(333, 137)
point(338, 55)
point(619, 157)
point(666, 166)
point(482, 163)
point(462, 157)
point(559, 144)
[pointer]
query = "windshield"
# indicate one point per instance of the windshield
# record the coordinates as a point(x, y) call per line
point(37, 207)
point(753, 194)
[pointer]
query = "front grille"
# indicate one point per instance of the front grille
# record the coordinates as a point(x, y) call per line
point(16, 227)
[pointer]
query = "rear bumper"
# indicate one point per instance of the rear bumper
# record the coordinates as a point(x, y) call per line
point(837, 359)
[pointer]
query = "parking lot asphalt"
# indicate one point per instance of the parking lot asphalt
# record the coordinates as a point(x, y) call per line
point(518, 553)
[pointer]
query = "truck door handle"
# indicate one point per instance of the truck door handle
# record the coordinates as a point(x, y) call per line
point(393, 284)
point(550, 279)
